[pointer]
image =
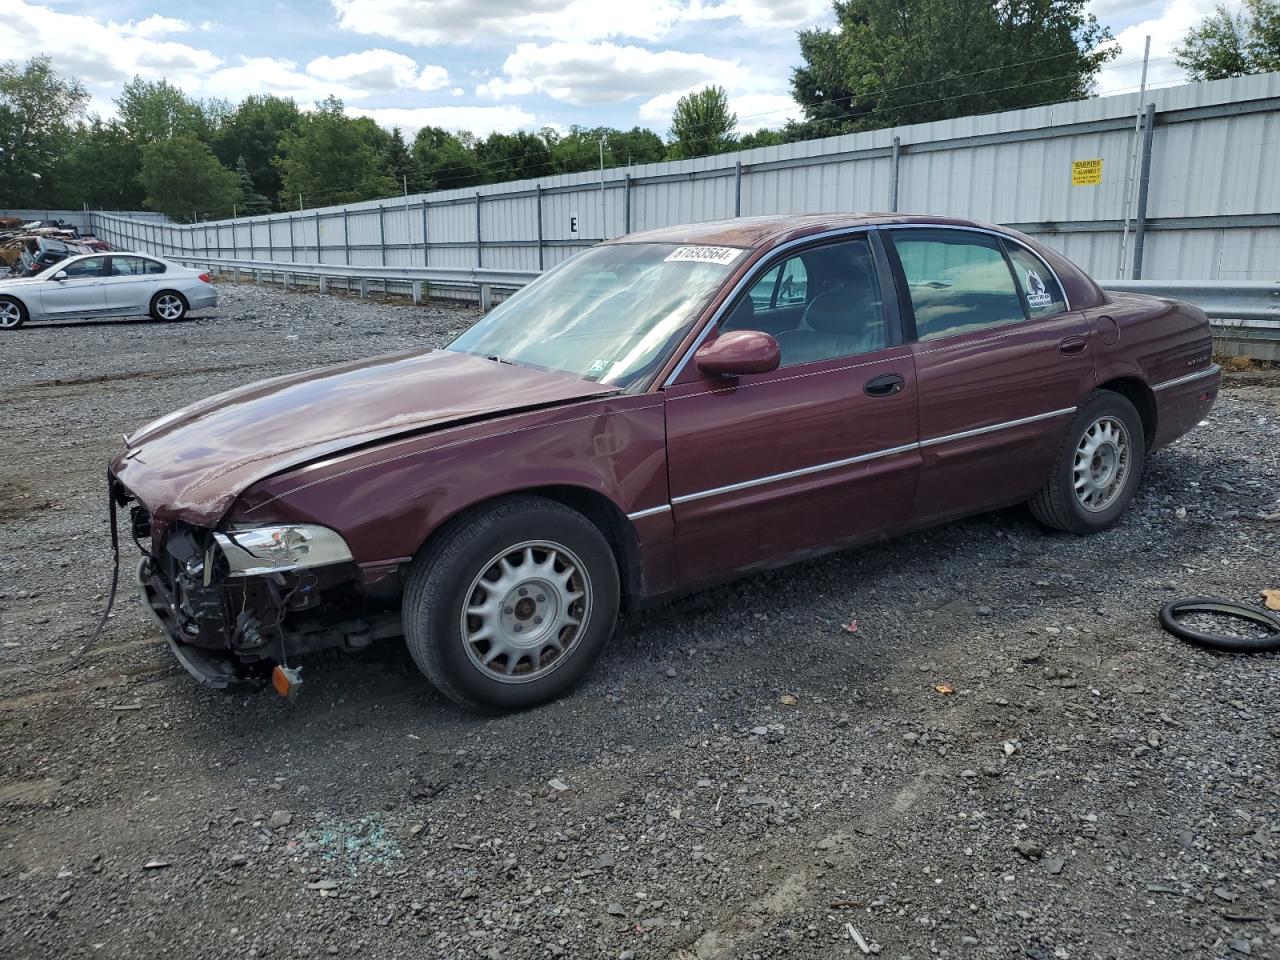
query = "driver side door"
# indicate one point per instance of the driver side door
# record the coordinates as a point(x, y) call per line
point(818, 453)
point(80, 293)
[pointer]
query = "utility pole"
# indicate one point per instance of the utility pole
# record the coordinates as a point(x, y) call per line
point(299, 201)
point(604, 231)
point(1131, 168)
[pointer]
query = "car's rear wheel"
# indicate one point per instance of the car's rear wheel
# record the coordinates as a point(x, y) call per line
point(1097, 469)
point(13, 313)
point(509, 606)
point(168, 305)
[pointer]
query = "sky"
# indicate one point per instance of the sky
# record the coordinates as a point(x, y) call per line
point(488, 65)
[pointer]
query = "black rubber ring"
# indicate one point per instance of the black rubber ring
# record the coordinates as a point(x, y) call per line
point(1216, 641)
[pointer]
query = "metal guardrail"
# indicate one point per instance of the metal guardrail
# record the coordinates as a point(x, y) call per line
point(483, 279)
point(1220, 299)
point(1244, 315)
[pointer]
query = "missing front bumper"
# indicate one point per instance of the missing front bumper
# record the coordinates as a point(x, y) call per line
point(211, 668)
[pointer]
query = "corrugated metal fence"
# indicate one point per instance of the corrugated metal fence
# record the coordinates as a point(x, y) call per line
point(1209, 209)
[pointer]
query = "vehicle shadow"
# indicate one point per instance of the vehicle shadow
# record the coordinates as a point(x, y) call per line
point(75, 323)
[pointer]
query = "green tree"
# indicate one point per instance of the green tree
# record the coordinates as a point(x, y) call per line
point(448, 160)
point(327, 157)
point(253, 130)
point(251, 202)
point(513, 156)
point(1233, 45)
point(702, 124)
point(889, 62)
point(181, 176)
point(101, 168)
point(152, 110)
point(399, 163)
point(38, 109)
point(637, 145)
point(579, 149)
point(761, 138)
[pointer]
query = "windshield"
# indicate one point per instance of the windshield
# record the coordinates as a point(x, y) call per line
point(611, 314)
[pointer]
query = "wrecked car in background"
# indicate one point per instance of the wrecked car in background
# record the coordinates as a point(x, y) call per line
point(661, 412)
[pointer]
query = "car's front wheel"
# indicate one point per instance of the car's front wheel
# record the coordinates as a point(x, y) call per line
point(509, 606)
point(168, 305)
point(1098, 467)
point(12, 314)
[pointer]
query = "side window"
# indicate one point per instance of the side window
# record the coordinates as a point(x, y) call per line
point(762, 293)
point(836, 305)
point(959, 282)
point(794, 282)
point(126, 266)
point(90, 267)
point(154, 267)
point(1039, 288)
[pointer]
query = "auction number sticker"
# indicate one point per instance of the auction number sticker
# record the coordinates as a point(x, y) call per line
point(721, 255)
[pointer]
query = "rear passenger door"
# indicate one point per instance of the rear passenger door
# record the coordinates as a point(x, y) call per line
point(131, 282)
point(1001, 364)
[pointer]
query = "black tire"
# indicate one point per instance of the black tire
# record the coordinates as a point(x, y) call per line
point(1222, 643)
point(1057, 505)
point(444, 577)
point(165, 296)
point(7, 322)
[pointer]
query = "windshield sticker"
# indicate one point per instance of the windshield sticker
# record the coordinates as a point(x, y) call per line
point(721, 255)
point(1037, 295)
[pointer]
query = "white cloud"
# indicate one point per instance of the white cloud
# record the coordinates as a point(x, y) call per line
point(272, 75)
point(759, 110)
point(378, 70)
point(1167, 27)
point(457, 92)
point(154, 26)
point(102, 52)
point(763, 14)
point(467, 21)
point(479, 120)
point(588, 73)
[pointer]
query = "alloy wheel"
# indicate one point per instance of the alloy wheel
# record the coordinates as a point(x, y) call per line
point(525, 611)
point(10, 315)
point(1101, 464)
point(169, 306)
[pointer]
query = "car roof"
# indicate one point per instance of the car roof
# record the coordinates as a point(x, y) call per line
point(752, 232)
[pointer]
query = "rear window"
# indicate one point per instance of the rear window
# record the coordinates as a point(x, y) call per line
point(154, 266)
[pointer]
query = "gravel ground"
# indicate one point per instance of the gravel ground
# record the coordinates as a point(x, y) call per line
point(742, 777)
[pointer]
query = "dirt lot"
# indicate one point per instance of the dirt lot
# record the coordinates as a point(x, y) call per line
point(1093, 788)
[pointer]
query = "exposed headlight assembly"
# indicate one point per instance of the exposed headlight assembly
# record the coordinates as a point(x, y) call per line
point(252, 550)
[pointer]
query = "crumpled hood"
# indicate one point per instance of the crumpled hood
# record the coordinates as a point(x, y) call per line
point(193, 463)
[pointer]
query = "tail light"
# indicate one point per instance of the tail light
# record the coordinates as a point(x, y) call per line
point(204, 278)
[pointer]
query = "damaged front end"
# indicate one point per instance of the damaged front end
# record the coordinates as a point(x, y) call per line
point(238, 602)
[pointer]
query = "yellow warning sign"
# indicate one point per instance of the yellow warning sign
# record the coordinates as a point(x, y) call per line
point(1086, 173)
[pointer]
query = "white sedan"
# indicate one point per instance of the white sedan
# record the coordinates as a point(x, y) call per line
point(106, 285)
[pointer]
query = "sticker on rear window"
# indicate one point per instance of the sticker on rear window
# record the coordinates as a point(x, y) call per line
point(721, 255)
point(1037, 295)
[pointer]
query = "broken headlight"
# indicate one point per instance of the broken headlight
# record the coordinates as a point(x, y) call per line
point(252, 550)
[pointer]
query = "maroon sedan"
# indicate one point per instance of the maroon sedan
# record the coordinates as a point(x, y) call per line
point(661, 412)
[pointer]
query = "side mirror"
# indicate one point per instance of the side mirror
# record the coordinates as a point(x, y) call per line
point(60, 275)
point(738, 352)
